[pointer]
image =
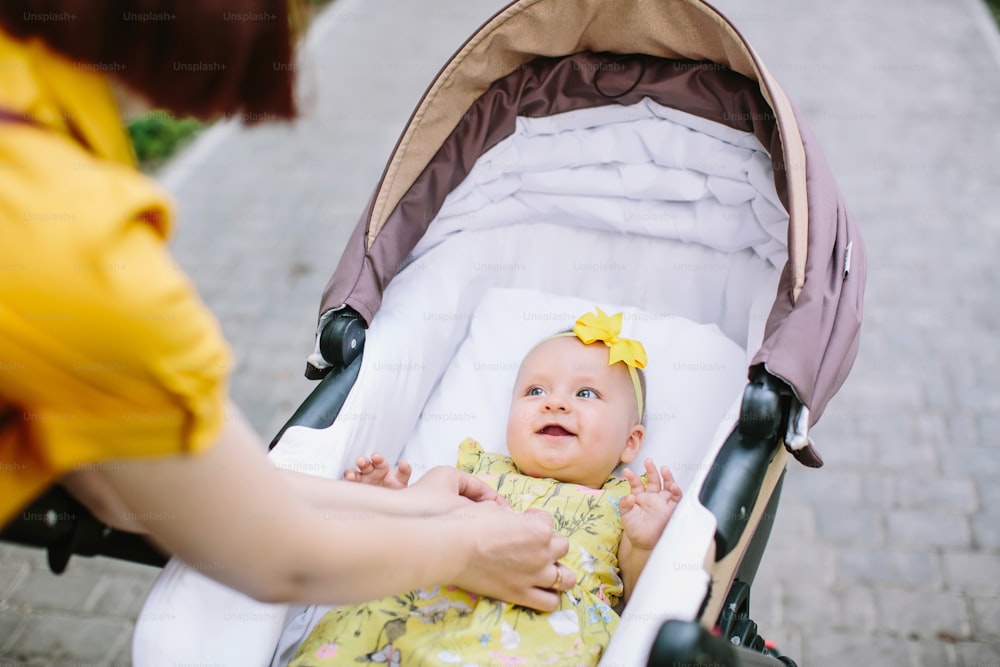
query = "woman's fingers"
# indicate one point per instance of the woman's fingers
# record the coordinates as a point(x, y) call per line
point(516, 560)
point(474, 488)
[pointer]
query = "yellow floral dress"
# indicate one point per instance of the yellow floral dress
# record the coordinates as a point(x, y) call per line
point(445, 625)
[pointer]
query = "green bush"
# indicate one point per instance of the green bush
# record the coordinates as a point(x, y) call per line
point(994, 6)
point(158, 134)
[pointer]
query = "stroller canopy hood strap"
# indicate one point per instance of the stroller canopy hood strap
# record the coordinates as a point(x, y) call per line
point(811, 343)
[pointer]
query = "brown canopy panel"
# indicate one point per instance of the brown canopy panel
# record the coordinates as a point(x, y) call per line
point(544, 57)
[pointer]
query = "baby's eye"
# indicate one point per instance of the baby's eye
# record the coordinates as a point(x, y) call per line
point(587, 393)
point(534, 391)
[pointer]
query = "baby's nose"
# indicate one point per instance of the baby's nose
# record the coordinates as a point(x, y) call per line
point(555, 401)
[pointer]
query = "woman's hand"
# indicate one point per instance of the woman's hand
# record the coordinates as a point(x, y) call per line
point(443, 489)
point(514, 557)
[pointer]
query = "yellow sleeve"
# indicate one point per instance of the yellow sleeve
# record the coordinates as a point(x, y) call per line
point(469, 455)
point(106, 350)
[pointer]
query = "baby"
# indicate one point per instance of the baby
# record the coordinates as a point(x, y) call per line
point(576, 414)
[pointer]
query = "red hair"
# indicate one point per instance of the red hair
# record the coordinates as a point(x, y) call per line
point(193, 57)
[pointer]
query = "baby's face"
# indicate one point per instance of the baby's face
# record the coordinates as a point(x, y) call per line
point(573, 417)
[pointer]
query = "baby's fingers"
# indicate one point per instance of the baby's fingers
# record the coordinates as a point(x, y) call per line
point(403, 471)
point(670, 484)
point(626, 504)
point(653, 483)
point(634, 482)
point(365, 465)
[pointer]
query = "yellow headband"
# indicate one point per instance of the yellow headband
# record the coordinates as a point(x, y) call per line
point(591, 327)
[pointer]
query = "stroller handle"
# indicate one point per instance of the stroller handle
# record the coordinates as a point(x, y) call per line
point(734, 481)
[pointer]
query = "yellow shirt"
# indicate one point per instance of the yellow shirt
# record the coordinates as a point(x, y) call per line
point(106, 351)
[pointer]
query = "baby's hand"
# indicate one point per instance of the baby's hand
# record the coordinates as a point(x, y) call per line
point(377, 472)
point(646, 511)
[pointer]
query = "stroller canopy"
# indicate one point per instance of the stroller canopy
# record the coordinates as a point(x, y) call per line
point(543, 57)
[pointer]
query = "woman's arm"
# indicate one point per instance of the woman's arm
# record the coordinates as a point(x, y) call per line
point(232, 515)
point(441, 490)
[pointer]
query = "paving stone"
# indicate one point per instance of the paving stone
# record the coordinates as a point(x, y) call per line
point(794, 523)
point(878, 490)
point(810, 562)
point(978, 654)
point(888, 566)
point(78, 640)
point(939, 396)
point(933, 653)
point(808, 607)
point(882, 426)
point(986, 619)
point(845, 451)
point(909, 456)
point(119, 596)
point(927, 529)
point(841, 487)
point(10, 575)
point(932, 428)
point(977, 397)
point(974, 461)
point(989, 495)
point(833, 649)
point(986, 531)
point(10, 623)
point(922, 615)
point(33, 558)
point(964, 430)
point(936, 493)
point(976, 573)
point(124, 656)
point(856, 525)
point(44, 590)
point(989, 426)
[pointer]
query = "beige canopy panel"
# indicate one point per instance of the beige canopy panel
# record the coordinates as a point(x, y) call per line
point(676, 29)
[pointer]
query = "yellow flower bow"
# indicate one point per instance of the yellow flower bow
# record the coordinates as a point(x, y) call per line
point(590, 328)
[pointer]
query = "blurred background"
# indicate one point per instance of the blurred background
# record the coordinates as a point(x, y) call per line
point(890, 554)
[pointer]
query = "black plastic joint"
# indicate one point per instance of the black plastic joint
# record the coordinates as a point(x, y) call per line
point(342, 338)
point(762, 410)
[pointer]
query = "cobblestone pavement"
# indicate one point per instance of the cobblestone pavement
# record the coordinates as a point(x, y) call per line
point(890, 554)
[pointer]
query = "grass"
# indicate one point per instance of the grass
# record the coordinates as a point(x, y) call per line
point(158, 135)
point(994, 7)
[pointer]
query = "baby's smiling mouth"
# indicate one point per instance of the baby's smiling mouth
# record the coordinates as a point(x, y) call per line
point(554, 430)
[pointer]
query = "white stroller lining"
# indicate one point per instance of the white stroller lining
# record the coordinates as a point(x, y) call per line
point(424, 338)
point(694, 375)
point(643, 169)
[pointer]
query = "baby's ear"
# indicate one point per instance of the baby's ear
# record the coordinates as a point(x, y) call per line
point(633, 443)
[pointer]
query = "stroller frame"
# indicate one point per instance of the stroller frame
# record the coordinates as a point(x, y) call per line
point(749, 466)
point(743, 487)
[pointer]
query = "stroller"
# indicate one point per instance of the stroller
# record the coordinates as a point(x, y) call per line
point(629, 154)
